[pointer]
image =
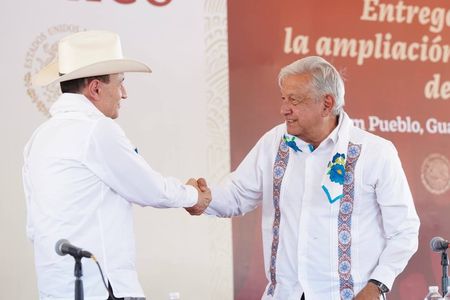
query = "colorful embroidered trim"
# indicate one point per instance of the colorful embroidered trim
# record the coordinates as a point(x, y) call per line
point(345, 224)
point(279, 169)
point(291, 143)
point(336, 173)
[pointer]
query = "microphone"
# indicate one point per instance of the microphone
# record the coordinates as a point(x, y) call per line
point(438, 244)
point(64, 247)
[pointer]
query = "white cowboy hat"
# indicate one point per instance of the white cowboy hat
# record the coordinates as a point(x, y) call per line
point(86, 54)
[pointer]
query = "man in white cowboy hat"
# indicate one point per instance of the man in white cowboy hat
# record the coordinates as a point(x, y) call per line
point(338, 218)
point(81, 174)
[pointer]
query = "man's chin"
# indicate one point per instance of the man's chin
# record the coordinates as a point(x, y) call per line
point(291, 131)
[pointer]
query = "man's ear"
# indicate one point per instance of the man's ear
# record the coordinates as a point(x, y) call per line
point(328, 104)
point(92, 90)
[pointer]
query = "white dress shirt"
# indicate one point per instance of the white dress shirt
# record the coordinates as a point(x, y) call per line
point(81, 176)
point(384, 227)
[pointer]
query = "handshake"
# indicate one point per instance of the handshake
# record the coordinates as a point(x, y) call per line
point(204, 196)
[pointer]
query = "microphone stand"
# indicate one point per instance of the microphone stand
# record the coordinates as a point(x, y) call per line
point(78, 272)
point(444, 263)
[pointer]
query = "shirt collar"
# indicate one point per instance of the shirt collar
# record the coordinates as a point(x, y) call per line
point(298, 144)
point(334, 135)
point(69, 102)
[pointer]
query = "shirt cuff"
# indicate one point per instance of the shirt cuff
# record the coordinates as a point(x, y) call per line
point(191, 196)
point(384, 275)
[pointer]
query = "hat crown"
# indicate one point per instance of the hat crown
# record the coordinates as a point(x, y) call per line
point(85, 54)
point(86, 48)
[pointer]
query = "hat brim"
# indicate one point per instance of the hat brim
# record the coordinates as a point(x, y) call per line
point(50, 73)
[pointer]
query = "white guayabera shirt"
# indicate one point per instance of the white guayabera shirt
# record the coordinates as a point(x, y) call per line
point(384, 224)
point(81, 176)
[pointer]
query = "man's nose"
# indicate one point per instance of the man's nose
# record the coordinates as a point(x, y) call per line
point(124, 93)
point(285, 109)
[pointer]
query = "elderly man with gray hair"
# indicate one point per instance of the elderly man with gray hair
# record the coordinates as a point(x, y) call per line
point(338, 218)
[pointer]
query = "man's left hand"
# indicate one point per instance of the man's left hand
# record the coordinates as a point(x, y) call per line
point(369, 292)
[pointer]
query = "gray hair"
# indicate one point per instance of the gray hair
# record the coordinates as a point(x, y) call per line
point(325, 79)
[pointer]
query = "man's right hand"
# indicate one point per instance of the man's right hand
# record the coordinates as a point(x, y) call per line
point(204, 196)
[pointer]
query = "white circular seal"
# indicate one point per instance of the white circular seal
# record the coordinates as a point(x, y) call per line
point(40, 53)
point(435, 173)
